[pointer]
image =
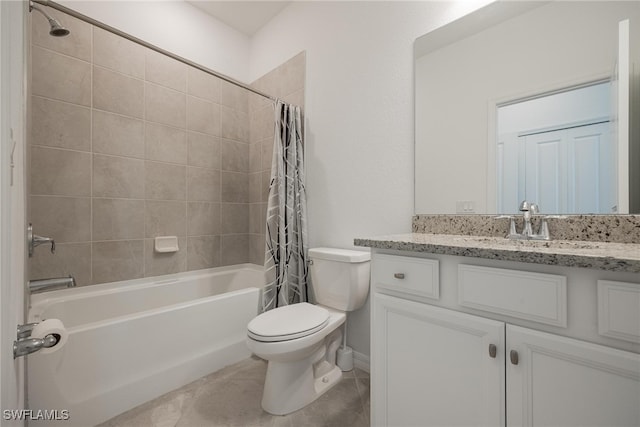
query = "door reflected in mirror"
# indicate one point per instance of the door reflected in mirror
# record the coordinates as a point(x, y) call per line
point(558, 150)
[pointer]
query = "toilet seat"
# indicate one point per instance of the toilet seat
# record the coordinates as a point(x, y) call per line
point(288, 323)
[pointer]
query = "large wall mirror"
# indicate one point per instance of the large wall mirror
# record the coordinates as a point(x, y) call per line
point(530, 100)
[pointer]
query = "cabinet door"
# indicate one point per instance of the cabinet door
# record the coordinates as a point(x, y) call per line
point(560, 381)
point(432, 366)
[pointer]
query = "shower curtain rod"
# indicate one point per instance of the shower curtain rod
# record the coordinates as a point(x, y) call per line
point(117, 32)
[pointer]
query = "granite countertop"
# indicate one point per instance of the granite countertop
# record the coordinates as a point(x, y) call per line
point(568, 253)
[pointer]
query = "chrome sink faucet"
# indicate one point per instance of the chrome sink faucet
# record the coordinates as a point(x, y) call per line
point(529, 211)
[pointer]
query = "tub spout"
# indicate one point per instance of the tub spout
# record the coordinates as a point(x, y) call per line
point(43, 285)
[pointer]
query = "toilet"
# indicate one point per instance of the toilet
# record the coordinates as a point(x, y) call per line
point(300, 341)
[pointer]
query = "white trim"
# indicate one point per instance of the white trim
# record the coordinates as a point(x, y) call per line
point(624, 75)
point(625, 325)
point(361, 361)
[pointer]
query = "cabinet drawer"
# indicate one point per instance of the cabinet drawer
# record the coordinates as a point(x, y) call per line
point(408, 275)
point(525, 295)
point(619, 310)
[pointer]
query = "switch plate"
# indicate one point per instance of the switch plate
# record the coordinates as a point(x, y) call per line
point(465, 206)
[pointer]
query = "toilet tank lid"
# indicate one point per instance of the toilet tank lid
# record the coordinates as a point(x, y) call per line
point(340, 255)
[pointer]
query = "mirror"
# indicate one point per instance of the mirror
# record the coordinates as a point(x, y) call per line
point(468, 72)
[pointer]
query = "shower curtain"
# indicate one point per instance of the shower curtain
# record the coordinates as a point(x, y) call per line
point(286, 232)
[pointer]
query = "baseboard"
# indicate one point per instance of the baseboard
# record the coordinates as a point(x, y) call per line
point(361, 361)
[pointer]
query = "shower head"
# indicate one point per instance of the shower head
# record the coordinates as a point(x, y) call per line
point(57, 30)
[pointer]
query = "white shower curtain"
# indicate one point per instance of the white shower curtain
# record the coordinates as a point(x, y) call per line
point(286, 232)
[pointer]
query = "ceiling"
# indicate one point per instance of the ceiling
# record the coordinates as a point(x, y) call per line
point(245, 16)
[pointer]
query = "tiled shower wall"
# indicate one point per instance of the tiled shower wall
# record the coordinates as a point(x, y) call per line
point(126, 145)
point(287, 83)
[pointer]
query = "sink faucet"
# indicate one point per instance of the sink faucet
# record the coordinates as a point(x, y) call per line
point(43, 285)
point(529, 211)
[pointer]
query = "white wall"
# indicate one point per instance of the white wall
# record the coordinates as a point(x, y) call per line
point(178, 27)
point(359, 114)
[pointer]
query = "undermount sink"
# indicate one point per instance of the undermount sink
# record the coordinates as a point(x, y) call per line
point(553, 244)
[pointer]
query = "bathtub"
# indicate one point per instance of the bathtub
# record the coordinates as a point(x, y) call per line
point(135, 340)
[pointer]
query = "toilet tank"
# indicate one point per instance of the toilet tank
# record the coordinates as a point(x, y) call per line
point(340, 277)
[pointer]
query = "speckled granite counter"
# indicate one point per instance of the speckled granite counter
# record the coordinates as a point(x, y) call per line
point(568, 253)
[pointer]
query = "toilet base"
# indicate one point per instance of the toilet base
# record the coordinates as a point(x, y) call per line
point(292, 386)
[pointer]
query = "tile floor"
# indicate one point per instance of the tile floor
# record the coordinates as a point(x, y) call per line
point(231, 397)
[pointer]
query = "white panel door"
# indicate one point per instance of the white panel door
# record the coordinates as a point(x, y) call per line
point(590, 175)
point(433, 367)
point(559, 381)
point(545, 177)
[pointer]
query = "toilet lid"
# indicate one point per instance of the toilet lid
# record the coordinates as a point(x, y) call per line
point(288, 322)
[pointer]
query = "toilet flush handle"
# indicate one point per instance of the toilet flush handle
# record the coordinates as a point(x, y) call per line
point(399, 275)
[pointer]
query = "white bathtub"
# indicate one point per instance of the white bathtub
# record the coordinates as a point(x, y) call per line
point(132, 341)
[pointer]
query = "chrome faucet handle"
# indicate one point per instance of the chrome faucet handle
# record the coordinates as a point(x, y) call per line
point(39, 240)
point(34, 240)
point(512, 224)
point(533, 208)
point(543, 232)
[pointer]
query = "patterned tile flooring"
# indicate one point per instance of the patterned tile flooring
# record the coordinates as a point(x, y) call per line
point(231, 397)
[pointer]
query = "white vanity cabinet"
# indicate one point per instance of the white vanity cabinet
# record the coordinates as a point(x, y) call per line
point(437, 366)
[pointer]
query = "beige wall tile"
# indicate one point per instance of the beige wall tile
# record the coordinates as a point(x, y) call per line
point(292, 75)
point(157, 264)
point(256, 248)
point(203, 218)
point(234, 97)
point(117, 93)
point(203, 85)
point(118, 177)
point(203, 116)
point(257, 102)
point(257, 218)
point(117, 53)
point(60, 172)
point(267, 153)
point(165, 71)
point(234, 124)
point(235, 218)
point(296, 98)
point(204, 150)
point(118, 219)
point(117, 260)
point(165, 144)
point(76, 44)
point(255, 158)
point(266, 181)
point(255, 187)
point(235, 187)
point(165, 106)
point(203, 184)
point(64, 219)
point(164, 181)
point(117, 135)
point(59, 124)
point(235, 156)
point(70, 259)
point(60, 77)
point(235, 249)
point(203, 252)
point(162, 218)
point(262, 125)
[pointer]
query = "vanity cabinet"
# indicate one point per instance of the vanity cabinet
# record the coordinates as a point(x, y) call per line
point(436, 366)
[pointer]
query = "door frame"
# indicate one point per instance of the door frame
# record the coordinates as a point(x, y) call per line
point(13, 156)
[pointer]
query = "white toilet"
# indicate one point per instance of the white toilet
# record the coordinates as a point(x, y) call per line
point(300, 341)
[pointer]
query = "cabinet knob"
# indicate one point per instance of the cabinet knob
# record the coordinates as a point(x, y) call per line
point(513, 355)
point(493, 350)
point(399, 275)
